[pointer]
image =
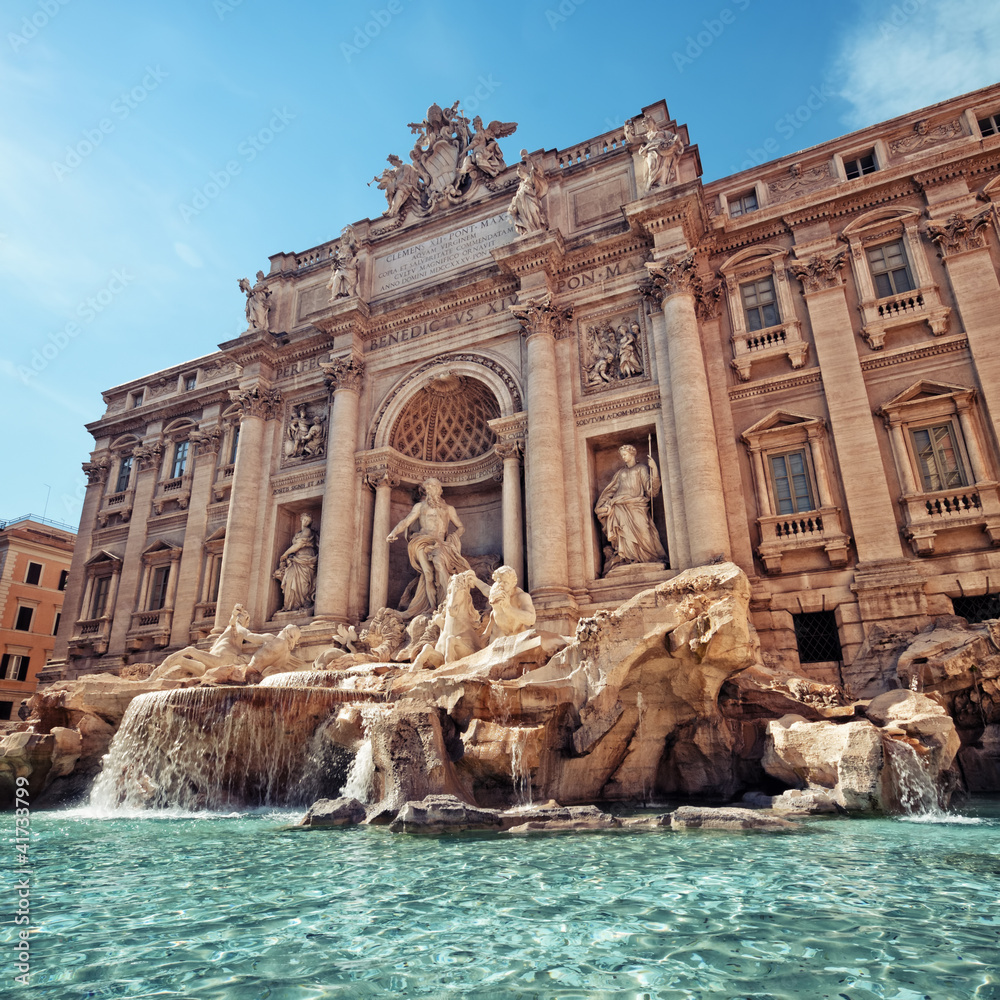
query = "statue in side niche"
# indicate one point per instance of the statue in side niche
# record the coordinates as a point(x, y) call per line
point(344, 271)
point(256, 307)
point(234, 646)
point(296, 570)
point(660, 151)
point(526, 211)
point(434, 553)
point(623, 508)
point(511, 608)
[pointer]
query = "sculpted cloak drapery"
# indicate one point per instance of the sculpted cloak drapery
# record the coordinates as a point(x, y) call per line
point(623, 510)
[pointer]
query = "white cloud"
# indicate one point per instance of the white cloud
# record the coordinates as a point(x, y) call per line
point(912, 53)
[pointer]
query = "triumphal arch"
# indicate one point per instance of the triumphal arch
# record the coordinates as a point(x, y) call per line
point(594, 367)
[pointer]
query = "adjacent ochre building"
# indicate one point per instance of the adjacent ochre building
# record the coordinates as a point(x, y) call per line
point(810, 350)
point(35, 556)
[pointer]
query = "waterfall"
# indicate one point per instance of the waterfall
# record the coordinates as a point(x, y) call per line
point(219, 748)
point(520, 772)
point(641, 710)
point(912, 784)
point(360, 782)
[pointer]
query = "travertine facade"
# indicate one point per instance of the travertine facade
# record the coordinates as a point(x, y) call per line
point(806, 351)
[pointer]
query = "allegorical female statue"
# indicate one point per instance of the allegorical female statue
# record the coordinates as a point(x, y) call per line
point(623, 508)
point(296, 570)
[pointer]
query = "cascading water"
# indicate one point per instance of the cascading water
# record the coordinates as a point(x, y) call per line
point(361, 779)
point(520, 772)
point(912, 783)
point(219, 748)
point(641, 710)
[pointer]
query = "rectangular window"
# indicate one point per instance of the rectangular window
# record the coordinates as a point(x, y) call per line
point(137, 399)
point(890, 270)
point(6, 707)
point(124, 474)
point(938, 458)
point(189, 382)
point(990, 125)
point(234, 445)
point(759, 304)
point(743, 204)
point(158, 589)
point(63, 577)
point(4, 665)
point(861, 165)
point(816, 636)
point(24, 615)
point(55, 627)
point(790, 476)
point(102, 585)
point(13, 667)
point(180, 459)
point(213, 588)
point(34, 573)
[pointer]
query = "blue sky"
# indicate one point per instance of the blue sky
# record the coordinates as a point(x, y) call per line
point(116, 115)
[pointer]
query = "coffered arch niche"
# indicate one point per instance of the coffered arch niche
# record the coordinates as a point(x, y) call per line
point(436, 422)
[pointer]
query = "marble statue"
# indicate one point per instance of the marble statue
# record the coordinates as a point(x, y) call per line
point(623, 509)
point(434, 554)
point(483, 152)
point(296, 570)
point(344, 271)
point(400, 182)
point(275, 654)
point(511, 608)
point(525, 210)
point(460, 624)
point(256, 307)
point(230, 648)
point(628, 354)
point(660, 151)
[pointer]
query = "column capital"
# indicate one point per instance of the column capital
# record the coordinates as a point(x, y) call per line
point(382, 475)
point(674, 274)
point(344, 373)
point(820, 271)
point(97, 471)
point(258, 400)
point(206, 442)
point(147, 456)
point(959, 233)
point(508, 448)
point(539, 315)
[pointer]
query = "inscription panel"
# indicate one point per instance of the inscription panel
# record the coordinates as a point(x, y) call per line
point(460, 248)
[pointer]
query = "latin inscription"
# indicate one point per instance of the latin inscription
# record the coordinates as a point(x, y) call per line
point(460, 248)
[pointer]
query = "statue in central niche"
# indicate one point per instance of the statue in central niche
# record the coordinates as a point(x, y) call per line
point(435, 554)
point(623, 508)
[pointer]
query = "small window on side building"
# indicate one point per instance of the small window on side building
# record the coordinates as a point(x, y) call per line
point(158, 588)
point(790, 478)
point(63, 577)
point(137, 399)
point(6, 707)
point(24, 616)
point(124, 474)
point(34, 573)
point(990, 125)
point(938, 457)
point(742, 204)
point(890, 269)
point(180, 460)
point(190, 381)
point(759, 304)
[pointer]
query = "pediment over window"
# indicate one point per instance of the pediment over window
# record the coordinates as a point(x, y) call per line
point(927, 390)
point(751, 255)
point(880, 217)
point(104, 556)
point(780, 419)
point(161, 546)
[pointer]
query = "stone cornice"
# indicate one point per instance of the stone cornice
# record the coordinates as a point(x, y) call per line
point(777, 384)
point(677, 205)
point(256, 347)
point(942, 346)
point(541, 251)
point(414, 471)
point(609, 407)
point(349, 315)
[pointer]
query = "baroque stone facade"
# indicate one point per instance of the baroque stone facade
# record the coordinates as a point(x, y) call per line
point(799, 362)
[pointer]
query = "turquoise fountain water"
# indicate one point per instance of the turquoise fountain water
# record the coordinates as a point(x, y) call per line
point(240, 907)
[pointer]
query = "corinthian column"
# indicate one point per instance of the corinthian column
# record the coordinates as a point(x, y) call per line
point(548, 568)
point(258, 404)
point(338, 529)
point(382, 481)
point(679, 343)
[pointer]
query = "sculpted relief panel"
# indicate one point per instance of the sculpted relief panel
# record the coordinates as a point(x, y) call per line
point(305, 432)
point(612, 350)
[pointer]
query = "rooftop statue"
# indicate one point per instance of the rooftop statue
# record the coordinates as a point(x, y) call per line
point(256, 307)
point(344, 271)
point(449, 154)
point(660, 151)
point(526, 210)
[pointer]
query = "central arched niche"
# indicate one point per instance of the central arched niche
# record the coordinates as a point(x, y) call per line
point(444, 421)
